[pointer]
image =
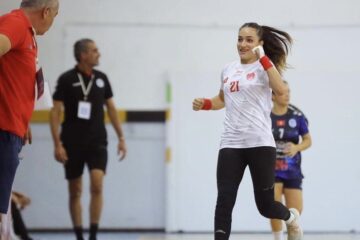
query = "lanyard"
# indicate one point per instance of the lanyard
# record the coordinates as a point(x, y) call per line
point(36, 49)
point(85, 90)
point(34, 37)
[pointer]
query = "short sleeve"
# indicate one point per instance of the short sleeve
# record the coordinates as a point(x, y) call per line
point(223, 76)
point(303, 125)
point(14, 29)
point(222, 80)
point(108, 90)
point(59, 93)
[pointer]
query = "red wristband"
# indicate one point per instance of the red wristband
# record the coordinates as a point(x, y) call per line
point(266, 63)
point(207, 104)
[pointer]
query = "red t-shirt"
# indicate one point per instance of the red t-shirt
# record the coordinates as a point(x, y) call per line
point(17, 73)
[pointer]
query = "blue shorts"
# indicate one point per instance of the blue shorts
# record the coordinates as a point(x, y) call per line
point(290, 183)
point(10, 146)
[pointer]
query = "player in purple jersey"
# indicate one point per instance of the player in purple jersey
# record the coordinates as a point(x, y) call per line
point(291, 134)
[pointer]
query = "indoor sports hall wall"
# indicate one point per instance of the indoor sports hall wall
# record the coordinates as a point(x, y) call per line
point(144, 47)
point(324, 86)
point(134, 189)
point(185, 14)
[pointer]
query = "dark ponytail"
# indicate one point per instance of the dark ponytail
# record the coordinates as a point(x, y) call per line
point(277, 43)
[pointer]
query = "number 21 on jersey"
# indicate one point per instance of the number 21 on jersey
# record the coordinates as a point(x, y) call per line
point(234, 86)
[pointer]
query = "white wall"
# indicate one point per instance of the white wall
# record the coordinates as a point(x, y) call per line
point(145, 44)
point(134, 188)
point(176, 15)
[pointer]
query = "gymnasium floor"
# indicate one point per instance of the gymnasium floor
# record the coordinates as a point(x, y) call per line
point(159, 236)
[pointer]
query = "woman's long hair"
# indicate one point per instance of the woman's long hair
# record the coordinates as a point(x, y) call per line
point(277, 43)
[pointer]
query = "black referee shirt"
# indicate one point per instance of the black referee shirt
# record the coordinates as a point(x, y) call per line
point(76, 131)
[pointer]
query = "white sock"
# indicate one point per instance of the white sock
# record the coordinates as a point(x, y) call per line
point(5, 224)
point(5, 227)
point(291, 218)
point(278, 235)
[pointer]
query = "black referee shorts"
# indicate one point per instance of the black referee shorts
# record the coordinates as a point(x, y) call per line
point(95, 157)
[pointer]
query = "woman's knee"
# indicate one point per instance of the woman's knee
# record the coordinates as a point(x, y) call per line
point(265, 202)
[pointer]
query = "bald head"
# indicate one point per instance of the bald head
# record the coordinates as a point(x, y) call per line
point(36, 4)
point(41, 13)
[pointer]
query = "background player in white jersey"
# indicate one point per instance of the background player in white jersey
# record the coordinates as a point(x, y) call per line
point(291, 133)
point(245, 92)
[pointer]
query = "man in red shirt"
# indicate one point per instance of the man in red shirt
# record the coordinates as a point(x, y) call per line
point(18, 75)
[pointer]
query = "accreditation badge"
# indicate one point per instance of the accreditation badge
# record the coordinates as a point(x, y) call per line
point(43, 99)
point(39, 76)
point(84, 110)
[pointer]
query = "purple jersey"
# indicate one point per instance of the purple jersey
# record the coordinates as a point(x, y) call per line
point(288, 128)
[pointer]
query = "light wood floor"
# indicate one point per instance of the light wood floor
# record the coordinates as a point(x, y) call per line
point(159, 236)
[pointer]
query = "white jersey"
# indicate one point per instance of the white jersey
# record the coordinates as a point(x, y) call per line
point(248, 104)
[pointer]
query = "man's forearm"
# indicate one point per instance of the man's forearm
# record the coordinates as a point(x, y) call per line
point(115, 122)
